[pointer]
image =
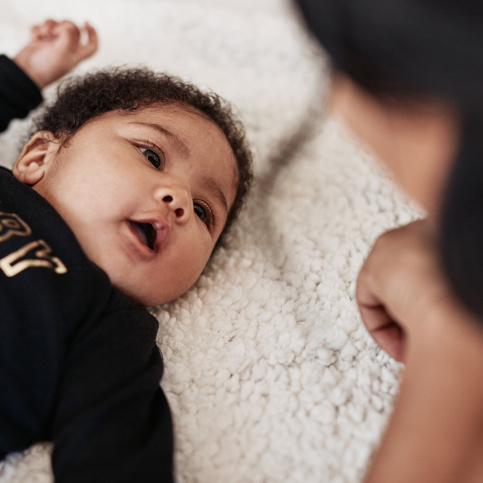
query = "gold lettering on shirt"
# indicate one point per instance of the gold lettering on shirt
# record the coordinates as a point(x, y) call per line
point(12, 225)
point(38, 253)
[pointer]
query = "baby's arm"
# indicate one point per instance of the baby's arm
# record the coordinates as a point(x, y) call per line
point(18, 93)
point(112, 422)
point(54, 49)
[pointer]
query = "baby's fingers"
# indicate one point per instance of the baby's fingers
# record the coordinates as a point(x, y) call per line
point(79, 50)
point(44, 31)
point(69, 32)
point(90, 46)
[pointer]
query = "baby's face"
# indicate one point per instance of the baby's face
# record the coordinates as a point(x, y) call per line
point(147, 195)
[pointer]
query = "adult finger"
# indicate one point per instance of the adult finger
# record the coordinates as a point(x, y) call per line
point(385, 331)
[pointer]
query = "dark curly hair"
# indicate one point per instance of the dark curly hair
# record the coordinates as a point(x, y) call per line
point(81, 99)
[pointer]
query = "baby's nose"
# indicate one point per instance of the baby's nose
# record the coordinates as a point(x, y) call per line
point(179, 211)
point(177, 198)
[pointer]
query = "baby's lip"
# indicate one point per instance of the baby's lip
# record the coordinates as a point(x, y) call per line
point(150, 232)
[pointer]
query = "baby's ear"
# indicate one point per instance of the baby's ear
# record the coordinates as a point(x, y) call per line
point(35, 158)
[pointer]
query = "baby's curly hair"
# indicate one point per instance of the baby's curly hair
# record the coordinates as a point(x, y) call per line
point(81, 99)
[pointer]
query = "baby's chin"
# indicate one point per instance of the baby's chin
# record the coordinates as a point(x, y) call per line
point(143, 299)
point(141, 290)
point(146, 298)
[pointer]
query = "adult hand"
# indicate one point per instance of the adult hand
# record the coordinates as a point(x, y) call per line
point(54, 49)
point(436, 430)
point(400, 285)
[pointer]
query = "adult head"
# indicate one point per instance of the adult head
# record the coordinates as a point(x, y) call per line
point(408, 79)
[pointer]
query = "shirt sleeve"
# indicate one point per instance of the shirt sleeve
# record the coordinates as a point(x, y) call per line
point(112, 422)
point(18, 93)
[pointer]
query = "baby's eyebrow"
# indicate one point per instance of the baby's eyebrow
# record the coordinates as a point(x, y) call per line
point(179, 145)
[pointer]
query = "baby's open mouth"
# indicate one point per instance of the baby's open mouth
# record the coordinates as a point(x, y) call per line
point(145, 232)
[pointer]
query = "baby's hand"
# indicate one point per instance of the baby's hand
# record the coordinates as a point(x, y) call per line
point(54, 49)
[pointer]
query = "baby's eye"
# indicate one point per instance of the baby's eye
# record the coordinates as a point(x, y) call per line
point(151, 156)
point(200, 212)
point(203, 212)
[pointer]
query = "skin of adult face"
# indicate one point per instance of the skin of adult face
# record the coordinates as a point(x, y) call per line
point(106, 184)
point(416, 141)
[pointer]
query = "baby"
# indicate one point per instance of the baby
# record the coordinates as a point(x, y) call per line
point(116, 202)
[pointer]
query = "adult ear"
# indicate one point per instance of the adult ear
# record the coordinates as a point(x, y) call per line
point(36, 157)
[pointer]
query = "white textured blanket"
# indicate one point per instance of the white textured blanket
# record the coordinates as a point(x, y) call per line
point(270, 374)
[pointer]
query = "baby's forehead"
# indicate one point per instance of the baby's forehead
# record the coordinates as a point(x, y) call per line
point(176, 109)
point(172, 112)
point(172, 115)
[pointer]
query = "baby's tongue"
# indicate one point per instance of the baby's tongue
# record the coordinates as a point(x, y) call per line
point(139, 232)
